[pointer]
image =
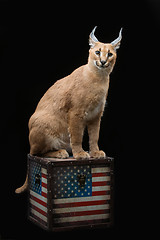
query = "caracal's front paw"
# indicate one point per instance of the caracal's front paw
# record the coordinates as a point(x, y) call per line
point(81, 155)
point(98, 154)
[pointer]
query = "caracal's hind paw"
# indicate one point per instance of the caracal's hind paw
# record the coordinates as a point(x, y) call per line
point(62, 153)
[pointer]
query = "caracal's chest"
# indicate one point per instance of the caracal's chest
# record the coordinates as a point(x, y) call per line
point(97, 103)
point(95, 109)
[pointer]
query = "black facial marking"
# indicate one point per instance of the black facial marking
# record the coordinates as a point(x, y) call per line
point(110, 54)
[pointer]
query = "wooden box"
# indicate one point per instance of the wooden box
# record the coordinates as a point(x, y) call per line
point(69, 193)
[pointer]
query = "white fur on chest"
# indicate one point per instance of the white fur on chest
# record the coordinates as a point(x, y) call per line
point(92, 113)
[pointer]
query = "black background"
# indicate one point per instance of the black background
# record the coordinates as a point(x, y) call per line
point(43, 42)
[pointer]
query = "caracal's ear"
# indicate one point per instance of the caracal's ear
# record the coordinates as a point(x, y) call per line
point(92, 39)
point(116, 43)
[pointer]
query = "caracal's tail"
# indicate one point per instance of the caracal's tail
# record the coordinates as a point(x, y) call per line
point(24, 187)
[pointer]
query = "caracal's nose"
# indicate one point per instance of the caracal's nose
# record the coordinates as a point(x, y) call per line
point(103, 62)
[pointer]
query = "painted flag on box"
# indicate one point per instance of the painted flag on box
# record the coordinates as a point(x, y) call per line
point(38, 192)
point(77, 204)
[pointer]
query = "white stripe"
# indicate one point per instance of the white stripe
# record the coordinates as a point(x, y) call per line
point(100, 170)
point(38, 196)
point(44, 171)
point(81, 199)
point(81, 218)
point(79, 209)
point(44, 189)
point(100, 179)
point(102, 188)
point(38, 205)
point(44, 180)
point(44, 218)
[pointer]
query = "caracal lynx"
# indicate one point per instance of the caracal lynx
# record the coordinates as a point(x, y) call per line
point(72, 104)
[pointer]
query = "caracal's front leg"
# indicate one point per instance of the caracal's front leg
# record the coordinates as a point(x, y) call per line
point(93, 132)
point(76, 130)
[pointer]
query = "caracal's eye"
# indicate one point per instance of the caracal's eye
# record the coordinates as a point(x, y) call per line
point(97, 52)
point(110, 54)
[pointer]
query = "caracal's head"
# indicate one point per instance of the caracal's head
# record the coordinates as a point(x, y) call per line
point(102, 56)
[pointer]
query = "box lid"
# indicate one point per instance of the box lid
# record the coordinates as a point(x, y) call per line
point(70, 161)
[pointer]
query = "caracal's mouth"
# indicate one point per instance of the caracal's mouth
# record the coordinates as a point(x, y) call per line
point(101, 66)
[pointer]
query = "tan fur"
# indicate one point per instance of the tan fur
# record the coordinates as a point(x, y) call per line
point(71, 104)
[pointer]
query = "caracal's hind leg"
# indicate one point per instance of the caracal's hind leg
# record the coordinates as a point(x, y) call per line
point(61, 153)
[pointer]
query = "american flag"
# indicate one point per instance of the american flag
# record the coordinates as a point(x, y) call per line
point(74, 204)
point(38, 193)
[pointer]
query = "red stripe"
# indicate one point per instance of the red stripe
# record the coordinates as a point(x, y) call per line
point(100, 174)
point(44, 184)
point(82, 213)
point(44, 194)
point(39, 210)
point(44, 175)
point(79, 204)
point(39, 220)
point(102, 183)
point(38, 200)
point(98, 193)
